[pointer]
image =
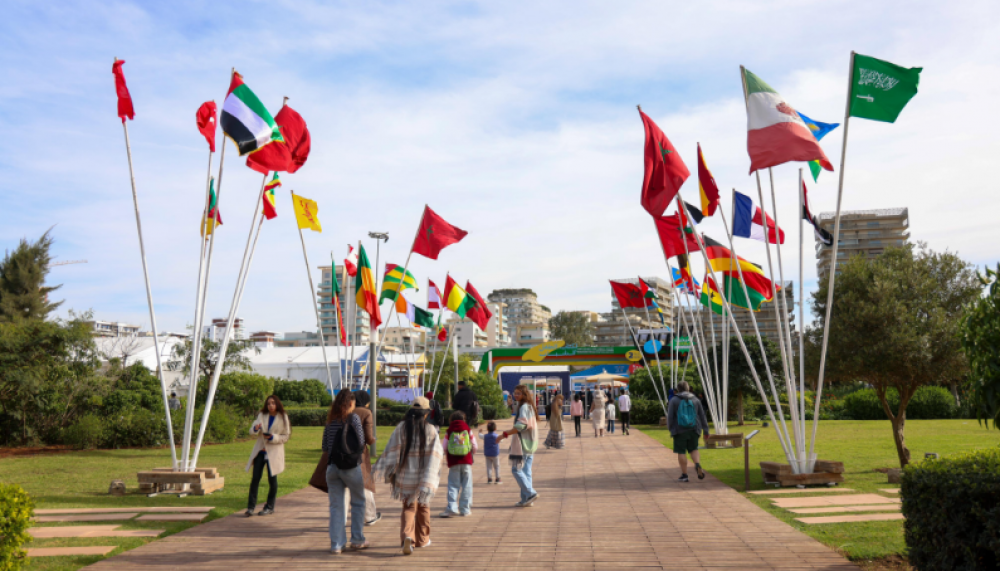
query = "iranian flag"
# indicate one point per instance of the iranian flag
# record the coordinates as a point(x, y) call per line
point(775, 132)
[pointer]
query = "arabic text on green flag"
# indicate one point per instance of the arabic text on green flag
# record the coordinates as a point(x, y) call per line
point(880, 90)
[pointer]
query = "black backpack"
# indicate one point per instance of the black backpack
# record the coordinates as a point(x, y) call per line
point(436, 415)
point(346, 455)
point(475, 412)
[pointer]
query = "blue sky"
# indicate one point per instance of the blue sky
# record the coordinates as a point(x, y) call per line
point(515, 121)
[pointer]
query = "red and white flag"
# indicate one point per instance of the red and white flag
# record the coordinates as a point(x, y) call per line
point(351, 261)
point(433, 295)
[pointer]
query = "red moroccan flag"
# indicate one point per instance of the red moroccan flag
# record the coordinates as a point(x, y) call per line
point(287, 156)
point(206, 118)
point(664, 172)
point(672, 237)
point(480, 314)
point(435, 234)
point(124, 99)
point(628, 295)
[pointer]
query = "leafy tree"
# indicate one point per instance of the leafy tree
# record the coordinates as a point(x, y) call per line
point(895, 324)
point(741, 382)
point(236, 360)
point(487, 390)
point(981, 340)
point(573, 327)
point(307, 391)
point(444, 362)
point(243, 392)
point(23, 293)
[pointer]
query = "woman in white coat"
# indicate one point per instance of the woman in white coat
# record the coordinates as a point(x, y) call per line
point(272, 430)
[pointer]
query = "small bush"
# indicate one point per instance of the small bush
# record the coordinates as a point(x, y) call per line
point(136, 428)
point(225, 425)
point(952, 510)
point(400, 408)
point(86, 433)
point(927, 403)
point(244, 392)
point(489, 412)
point(307, 417)
point(16, 510)
point(388, 418)
point(310, 392)
point(645, 411)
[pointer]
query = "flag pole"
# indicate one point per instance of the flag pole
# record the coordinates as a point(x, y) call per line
point(233, 308)
point(644, 361)
point(406, 359)
point(705, 370)
point(700, 356)
point(444, 355)
point(802, 309)
point(727, 291)
point(149, 300)
point(650, 321)
point(406, 265)
point(833, 261)
point(313, 301)
point(353, 310)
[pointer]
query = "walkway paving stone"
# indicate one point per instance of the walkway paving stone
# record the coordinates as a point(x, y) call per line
point(66, 551)
point(604, 504)
point(851, 500)
point(180, 509)
point(849, 518)
point(90, 531)
point(85, 517)
point(801, 491)
point(842, 509)
point(173, 517)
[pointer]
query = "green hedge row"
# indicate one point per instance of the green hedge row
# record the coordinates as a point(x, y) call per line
point(952, 509)
point(927, 403)
point(146, 428)
point(16, 510)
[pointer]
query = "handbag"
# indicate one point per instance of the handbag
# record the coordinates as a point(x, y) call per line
point(318, 479)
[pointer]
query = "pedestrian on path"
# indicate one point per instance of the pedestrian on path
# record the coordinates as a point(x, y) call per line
point(597, 412)
point(491, 451)
point(624, 408)
point(576, 411)
point(343, 439)
point(523, 447)
point(610, 412)
point(362, 402)
point(411, 465)
point(272, 429)
point(686, 422)
point(556, 438)
point(460, 448)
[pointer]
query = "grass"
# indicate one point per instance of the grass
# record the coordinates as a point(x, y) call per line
point(862, 446)
point(80, 480)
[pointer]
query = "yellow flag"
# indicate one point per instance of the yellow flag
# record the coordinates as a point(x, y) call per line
point(306, 213)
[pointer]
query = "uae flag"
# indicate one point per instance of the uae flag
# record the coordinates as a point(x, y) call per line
point(245, 120)
point(822, 235)
point(749, 221)
point(775, 132)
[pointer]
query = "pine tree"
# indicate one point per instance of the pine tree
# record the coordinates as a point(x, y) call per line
point(23, 294)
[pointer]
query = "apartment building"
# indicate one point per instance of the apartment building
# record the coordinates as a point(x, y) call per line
point(114, 329)
point(531, 334)
point(612, 331)
point(862, 232)
point(521, 307)
point(408, 339)
point(358, 334)
point(217, 329)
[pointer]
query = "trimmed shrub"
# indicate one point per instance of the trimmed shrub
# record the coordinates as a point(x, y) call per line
point(400, 408)
point(386, 403)
point(864, 405)
point(309, 392)
point(927, 403)
point(645, 412)
point(86, 433)
point(489, 412)
point(16, 510)
point(136, 428)
point(244, 392)
point(388, 418)
point(952, 509)
point(307, 417)
point(225, 425)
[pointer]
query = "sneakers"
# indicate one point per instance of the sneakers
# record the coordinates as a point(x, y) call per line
point(249, 512)
point(448, 513)
point(531, 500)
point(378, 516)
point(498, 481)
point(683, 478)
point(266, 511)
point(465, 514)
point(407, 546)
point(489, 481)
point(700, 470)
point(428, 544)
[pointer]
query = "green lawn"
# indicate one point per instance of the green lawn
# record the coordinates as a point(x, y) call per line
point(80, 480)
point(862, 446)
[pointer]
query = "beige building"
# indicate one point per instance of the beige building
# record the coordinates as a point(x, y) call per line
point(531, 334)
point(767, 319)
point(521, 308)
point(114, 329)
point(612, 331)
point(358, 334)
point(498, 329)
point(407, 339)
point(864, 232)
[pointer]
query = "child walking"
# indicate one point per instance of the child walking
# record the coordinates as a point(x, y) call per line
point(611, 416)
point(491, 451)
point(576, 411)
point(459, 446)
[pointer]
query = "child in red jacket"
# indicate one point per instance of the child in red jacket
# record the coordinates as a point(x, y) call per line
point(459, 446)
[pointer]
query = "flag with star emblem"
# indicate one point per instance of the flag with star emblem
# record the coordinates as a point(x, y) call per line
point(664, 171)
point(435, 234)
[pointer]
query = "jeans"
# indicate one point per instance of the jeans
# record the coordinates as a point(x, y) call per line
point(337, 481)
point(611, 425)
point(576, 423)
point(522, 476)
point(259, 465)
point(460, 480)
point(492, 467)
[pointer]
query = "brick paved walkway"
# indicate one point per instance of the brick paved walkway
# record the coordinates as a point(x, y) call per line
point(608, 503)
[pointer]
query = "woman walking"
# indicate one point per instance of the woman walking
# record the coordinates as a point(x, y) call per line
point(556, 439)
point(523, 447)
point(361, 408)
point(576, 411)
point(343, 448)
point(411, 465)
point(597, 412)
point(272, 429)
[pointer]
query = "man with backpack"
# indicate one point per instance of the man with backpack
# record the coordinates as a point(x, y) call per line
point(686, 421)
point(465, 401)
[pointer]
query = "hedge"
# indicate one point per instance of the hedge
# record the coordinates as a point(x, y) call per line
point(952, 510)
point(16, 510)
point(307, 417)
point(927, 403)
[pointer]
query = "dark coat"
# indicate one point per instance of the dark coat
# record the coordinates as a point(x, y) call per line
point(463, 401)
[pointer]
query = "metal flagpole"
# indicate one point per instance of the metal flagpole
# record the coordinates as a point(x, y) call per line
point(802, 310)
point(406, 358)
point(702, 365)
point(444, 354)
point(314, 301)
point(644, 362)
point(833, 261)
point(727, 291)
point(149, 301)
point(651, 338)
point(353, 309)
point(233, 308)
point(406, 265)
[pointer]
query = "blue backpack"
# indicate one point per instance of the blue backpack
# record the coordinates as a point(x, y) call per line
point(687, 416)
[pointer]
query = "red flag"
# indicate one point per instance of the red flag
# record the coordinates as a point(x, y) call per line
point(435, 234)
point(672, 236)
point(351, 261)
point(124, 99)
point(480, 314)
point(628, 295)
point(287, 156)
point(664, 172)
point(207, 122)
point(442, 333)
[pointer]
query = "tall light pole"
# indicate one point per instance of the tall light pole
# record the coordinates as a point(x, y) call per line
point(379, 237)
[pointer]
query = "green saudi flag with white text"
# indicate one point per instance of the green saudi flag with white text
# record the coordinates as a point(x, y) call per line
point(880, 90)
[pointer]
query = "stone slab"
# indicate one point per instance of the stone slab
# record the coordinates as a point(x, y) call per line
point(848, 500)
point(889, 490)
point(802, 491)
point(842, 509)
point(173, 517)
point(178, 509)
point(85, 517)
point(65, 551)
point(849, 518)
point(91, 531)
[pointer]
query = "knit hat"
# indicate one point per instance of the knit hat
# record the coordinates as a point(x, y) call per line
point(421, 403)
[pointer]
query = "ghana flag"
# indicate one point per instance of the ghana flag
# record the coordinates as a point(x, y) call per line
point(710, 297)
point(722, 260)
point(364, 284)
point(245, 120)
point(390, 283)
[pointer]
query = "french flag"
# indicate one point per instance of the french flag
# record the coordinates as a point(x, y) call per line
point(748, 221)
